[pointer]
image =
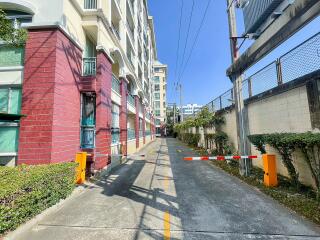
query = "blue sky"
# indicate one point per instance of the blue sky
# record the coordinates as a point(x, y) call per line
point(204, 78)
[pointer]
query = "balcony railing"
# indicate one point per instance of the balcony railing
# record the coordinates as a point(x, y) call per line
point(131, 134)
point(116, 31)
point(90, 4)
point(131, 100)
point(89, 66)
point(130, 30)
point(115, 84)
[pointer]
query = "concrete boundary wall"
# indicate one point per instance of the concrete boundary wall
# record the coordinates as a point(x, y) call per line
point(279, 110)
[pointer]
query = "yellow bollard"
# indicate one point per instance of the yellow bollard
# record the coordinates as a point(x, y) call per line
point(270, 170)
point(81, 159)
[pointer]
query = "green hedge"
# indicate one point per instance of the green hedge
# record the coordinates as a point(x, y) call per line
point(25, 191)
point(286, 144)
point(190, 138)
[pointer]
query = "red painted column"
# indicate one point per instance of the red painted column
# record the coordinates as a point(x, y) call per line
point(144, 124)
point(136, 127)
point(123, 115)
point(103, 110)
point(50, 132)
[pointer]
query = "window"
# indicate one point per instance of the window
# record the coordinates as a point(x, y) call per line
point(156, 87)
point(157, 113)
point(11, 56)
point(140, 127)
point(157, 96)
point(10, 100)
point(88, 120)
point(157, 104)
point(157, 69)
point(156, 79)
point(9, 135)
point(164, 105)
point(115, 124)
point(158, 122)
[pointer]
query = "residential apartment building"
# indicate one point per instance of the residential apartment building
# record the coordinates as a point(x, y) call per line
point(83, 81)
point(190, 110)
point(160, 96)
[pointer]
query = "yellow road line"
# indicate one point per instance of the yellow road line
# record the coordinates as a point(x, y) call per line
point(166, 221)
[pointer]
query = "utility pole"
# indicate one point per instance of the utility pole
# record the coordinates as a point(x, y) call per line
point(245, 164)
point(181, 109)
point(174, 113)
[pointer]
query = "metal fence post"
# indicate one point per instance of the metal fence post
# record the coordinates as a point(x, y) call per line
point(249, 87)
point(220, 100)
point(279, 71)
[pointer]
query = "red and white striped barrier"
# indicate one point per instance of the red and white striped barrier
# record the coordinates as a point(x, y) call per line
point(219, 158)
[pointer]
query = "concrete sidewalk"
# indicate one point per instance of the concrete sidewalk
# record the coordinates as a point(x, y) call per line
point(163, 197)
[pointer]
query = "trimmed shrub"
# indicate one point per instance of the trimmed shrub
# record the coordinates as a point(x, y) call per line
point(25, 191)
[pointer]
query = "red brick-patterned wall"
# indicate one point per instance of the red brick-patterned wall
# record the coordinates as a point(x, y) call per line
point(136, 126)
point(123, 115)
point(50, 132)
point(103, 110)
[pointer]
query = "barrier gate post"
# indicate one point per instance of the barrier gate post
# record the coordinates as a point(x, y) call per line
point(270, 170)
point(81, 159)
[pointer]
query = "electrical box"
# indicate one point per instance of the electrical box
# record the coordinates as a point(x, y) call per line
point(81, 159)
point(270, 170)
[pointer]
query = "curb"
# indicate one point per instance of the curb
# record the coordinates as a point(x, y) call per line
point(35, 220)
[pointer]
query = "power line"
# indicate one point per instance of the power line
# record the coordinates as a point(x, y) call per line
point(195, 40)
point(172, 94)
point(178, 47)
point(187, 38)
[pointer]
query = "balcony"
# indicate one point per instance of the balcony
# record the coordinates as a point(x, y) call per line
point(131, 6)
point(90, 4)
point(115, 30)
point(89, 66)
point(130, 31)
point(131, 134)
point(115, 84)
point(131, 100)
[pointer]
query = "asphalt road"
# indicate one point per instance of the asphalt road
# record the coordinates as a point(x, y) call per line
point(162, 197)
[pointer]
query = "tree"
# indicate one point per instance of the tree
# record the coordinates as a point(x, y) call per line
point(9, 33)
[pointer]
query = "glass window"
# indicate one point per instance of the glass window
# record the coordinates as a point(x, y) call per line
point(157, 96)
point(88, 120)
point(157, 87)
point(157, 113)
point(156, 79)
point(9, 139)
point(115, 124)
point(11, 56)
point(10, 100)
point(157, 104)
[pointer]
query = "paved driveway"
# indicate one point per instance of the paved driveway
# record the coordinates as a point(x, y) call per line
point(162, 197)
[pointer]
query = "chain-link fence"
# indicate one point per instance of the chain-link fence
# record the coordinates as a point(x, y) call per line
point(223, 101)
point(300, 61)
